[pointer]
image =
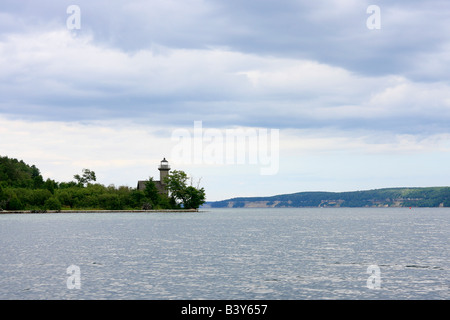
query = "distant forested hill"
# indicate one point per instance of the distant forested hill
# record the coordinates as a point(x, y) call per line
point(390, 197)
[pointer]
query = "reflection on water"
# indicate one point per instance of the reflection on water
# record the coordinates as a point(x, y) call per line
point(227, 254)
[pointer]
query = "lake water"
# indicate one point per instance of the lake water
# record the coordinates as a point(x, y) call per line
point(228, 254)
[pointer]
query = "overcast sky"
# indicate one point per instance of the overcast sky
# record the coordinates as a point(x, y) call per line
point(355, 107)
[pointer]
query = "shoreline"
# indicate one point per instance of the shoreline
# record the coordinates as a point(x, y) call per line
point(91, 211)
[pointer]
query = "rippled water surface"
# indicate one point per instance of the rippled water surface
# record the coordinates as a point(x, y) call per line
point(228, 254)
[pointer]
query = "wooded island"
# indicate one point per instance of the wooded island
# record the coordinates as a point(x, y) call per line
point(22, 187)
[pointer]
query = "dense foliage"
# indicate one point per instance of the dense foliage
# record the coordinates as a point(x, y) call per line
point(22, 187)
point(189, 196)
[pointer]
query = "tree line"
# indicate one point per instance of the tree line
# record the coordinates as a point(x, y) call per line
point(390, 197)
point(22, 187)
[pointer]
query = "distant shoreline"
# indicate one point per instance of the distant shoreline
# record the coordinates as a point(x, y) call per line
point(423, 197)
point(91, 211)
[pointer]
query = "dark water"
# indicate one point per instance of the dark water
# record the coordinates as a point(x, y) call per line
point(228, 254)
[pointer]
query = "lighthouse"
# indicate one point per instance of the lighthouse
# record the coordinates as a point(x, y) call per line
point(163, 170)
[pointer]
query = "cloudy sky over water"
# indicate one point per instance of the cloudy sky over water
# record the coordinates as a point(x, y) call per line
point(356, 107)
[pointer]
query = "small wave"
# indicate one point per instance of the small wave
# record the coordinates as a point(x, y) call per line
point(412, 266)
point(271, 280)
point(415, 266)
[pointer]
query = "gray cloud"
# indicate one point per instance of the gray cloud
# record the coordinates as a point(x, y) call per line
point(332, 32)
point(291, 64)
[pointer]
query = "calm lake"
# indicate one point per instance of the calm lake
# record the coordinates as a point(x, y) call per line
point(358, 253)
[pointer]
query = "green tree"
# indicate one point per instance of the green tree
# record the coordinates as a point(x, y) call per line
point(39, 196)
point(151, 192)
point(136, 199)
point(52, 203)
point(38, 181)
point(176, 184)
point(189, 196)
point(86, 177)
point(110, 201)
point(2, 199)
point(50, 185)
point(67, 185)
point(65, 197)
point(15, 173)
point(14, 203)
point(194, 197)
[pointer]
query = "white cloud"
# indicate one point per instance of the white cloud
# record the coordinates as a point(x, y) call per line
point(362, 142)
point(55, 76)
point(118, 151)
